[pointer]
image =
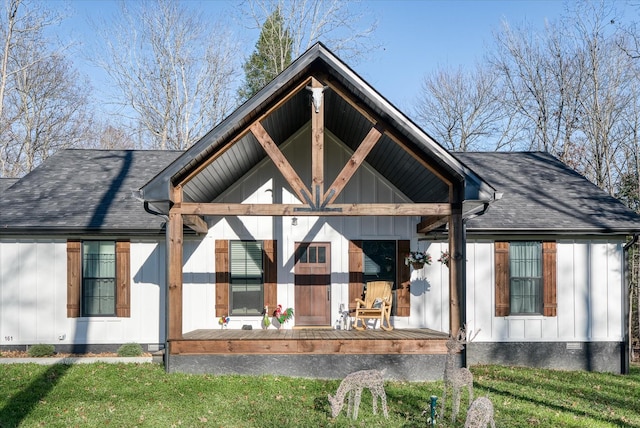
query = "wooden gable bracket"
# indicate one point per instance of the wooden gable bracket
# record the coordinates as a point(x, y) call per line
point(430, 223)
point(195, 223)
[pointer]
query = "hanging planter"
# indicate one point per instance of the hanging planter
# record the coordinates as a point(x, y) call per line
point(418, 259)
point(445, 258)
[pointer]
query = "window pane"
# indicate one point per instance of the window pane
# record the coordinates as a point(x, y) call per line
point(525, 264)
point(302, 253)
point(379, 264)
point(379, 260)
point(246, 297)
point(322, 254)
point(99, 259)
point(246, 258)
point(525, 296)
point(312, 254)
point(99, 297)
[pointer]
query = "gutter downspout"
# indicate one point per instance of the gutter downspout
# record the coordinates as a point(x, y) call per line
point(463, 302)
point(627, 282)
point(166, 285)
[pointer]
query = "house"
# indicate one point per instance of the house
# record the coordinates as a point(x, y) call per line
point(310, 189)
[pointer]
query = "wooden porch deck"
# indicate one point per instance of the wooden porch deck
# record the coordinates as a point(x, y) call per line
point(310, 341)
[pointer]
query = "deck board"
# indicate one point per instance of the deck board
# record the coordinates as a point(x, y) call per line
point(310, 341)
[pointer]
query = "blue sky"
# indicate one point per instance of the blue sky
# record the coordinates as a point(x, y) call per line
point(422, 36)
point(417, 36)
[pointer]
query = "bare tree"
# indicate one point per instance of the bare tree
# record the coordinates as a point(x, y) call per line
point(43, 101)
point(49, 103)
point(173, 68)
point(340, 25)
point(606, 97)
point(111, 137)
point(543, 78)
point(11, 10)
point(569, 88)
point(463, 111)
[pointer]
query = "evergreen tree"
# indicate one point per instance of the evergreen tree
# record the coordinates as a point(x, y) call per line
point(271, 56)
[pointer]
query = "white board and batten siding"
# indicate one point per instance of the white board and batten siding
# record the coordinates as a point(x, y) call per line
point(590, 296)
point(33, 297)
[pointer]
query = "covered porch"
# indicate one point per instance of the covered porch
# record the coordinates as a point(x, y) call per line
point(280, 147)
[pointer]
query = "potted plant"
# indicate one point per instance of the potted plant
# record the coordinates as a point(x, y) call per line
point(418, 259)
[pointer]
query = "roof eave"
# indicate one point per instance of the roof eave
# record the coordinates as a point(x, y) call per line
point(72, 231)
point(553, 231)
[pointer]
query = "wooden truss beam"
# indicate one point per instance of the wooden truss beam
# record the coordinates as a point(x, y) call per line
point(353, 164)
point(226, 209)
point(281, 162)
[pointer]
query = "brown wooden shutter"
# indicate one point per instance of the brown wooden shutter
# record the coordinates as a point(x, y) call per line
point(123, 279)
point(502, 278)
point(549, 279)
point(270, 266)
point(222, 277)
point(74, 278)
point(356, 277)
point(403, 289)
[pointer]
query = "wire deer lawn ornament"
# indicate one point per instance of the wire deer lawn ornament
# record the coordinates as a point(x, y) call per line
point(351, 387)
point(454, 377)
point(480, 414)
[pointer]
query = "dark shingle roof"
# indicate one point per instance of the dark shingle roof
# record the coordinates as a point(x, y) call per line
point(543, 195)
point(5, 183)
point(84, 191)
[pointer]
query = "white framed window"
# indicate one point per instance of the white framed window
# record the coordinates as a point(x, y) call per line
point(98, 278)
point(246, 296)
point(525, 276)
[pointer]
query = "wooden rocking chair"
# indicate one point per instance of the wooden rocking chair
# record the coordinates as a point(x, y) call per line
point(376, 305)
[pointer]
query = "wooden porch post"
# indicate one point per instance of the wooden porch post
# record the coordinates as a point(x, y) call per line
point(174, 283)
point(456, 265)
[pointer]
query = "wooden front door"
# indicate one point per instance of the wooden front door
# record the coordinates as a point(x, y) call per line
point(313, 284)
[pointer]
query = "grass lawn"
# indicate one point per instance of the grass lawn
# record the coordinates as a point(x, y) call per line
point(129, 395)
